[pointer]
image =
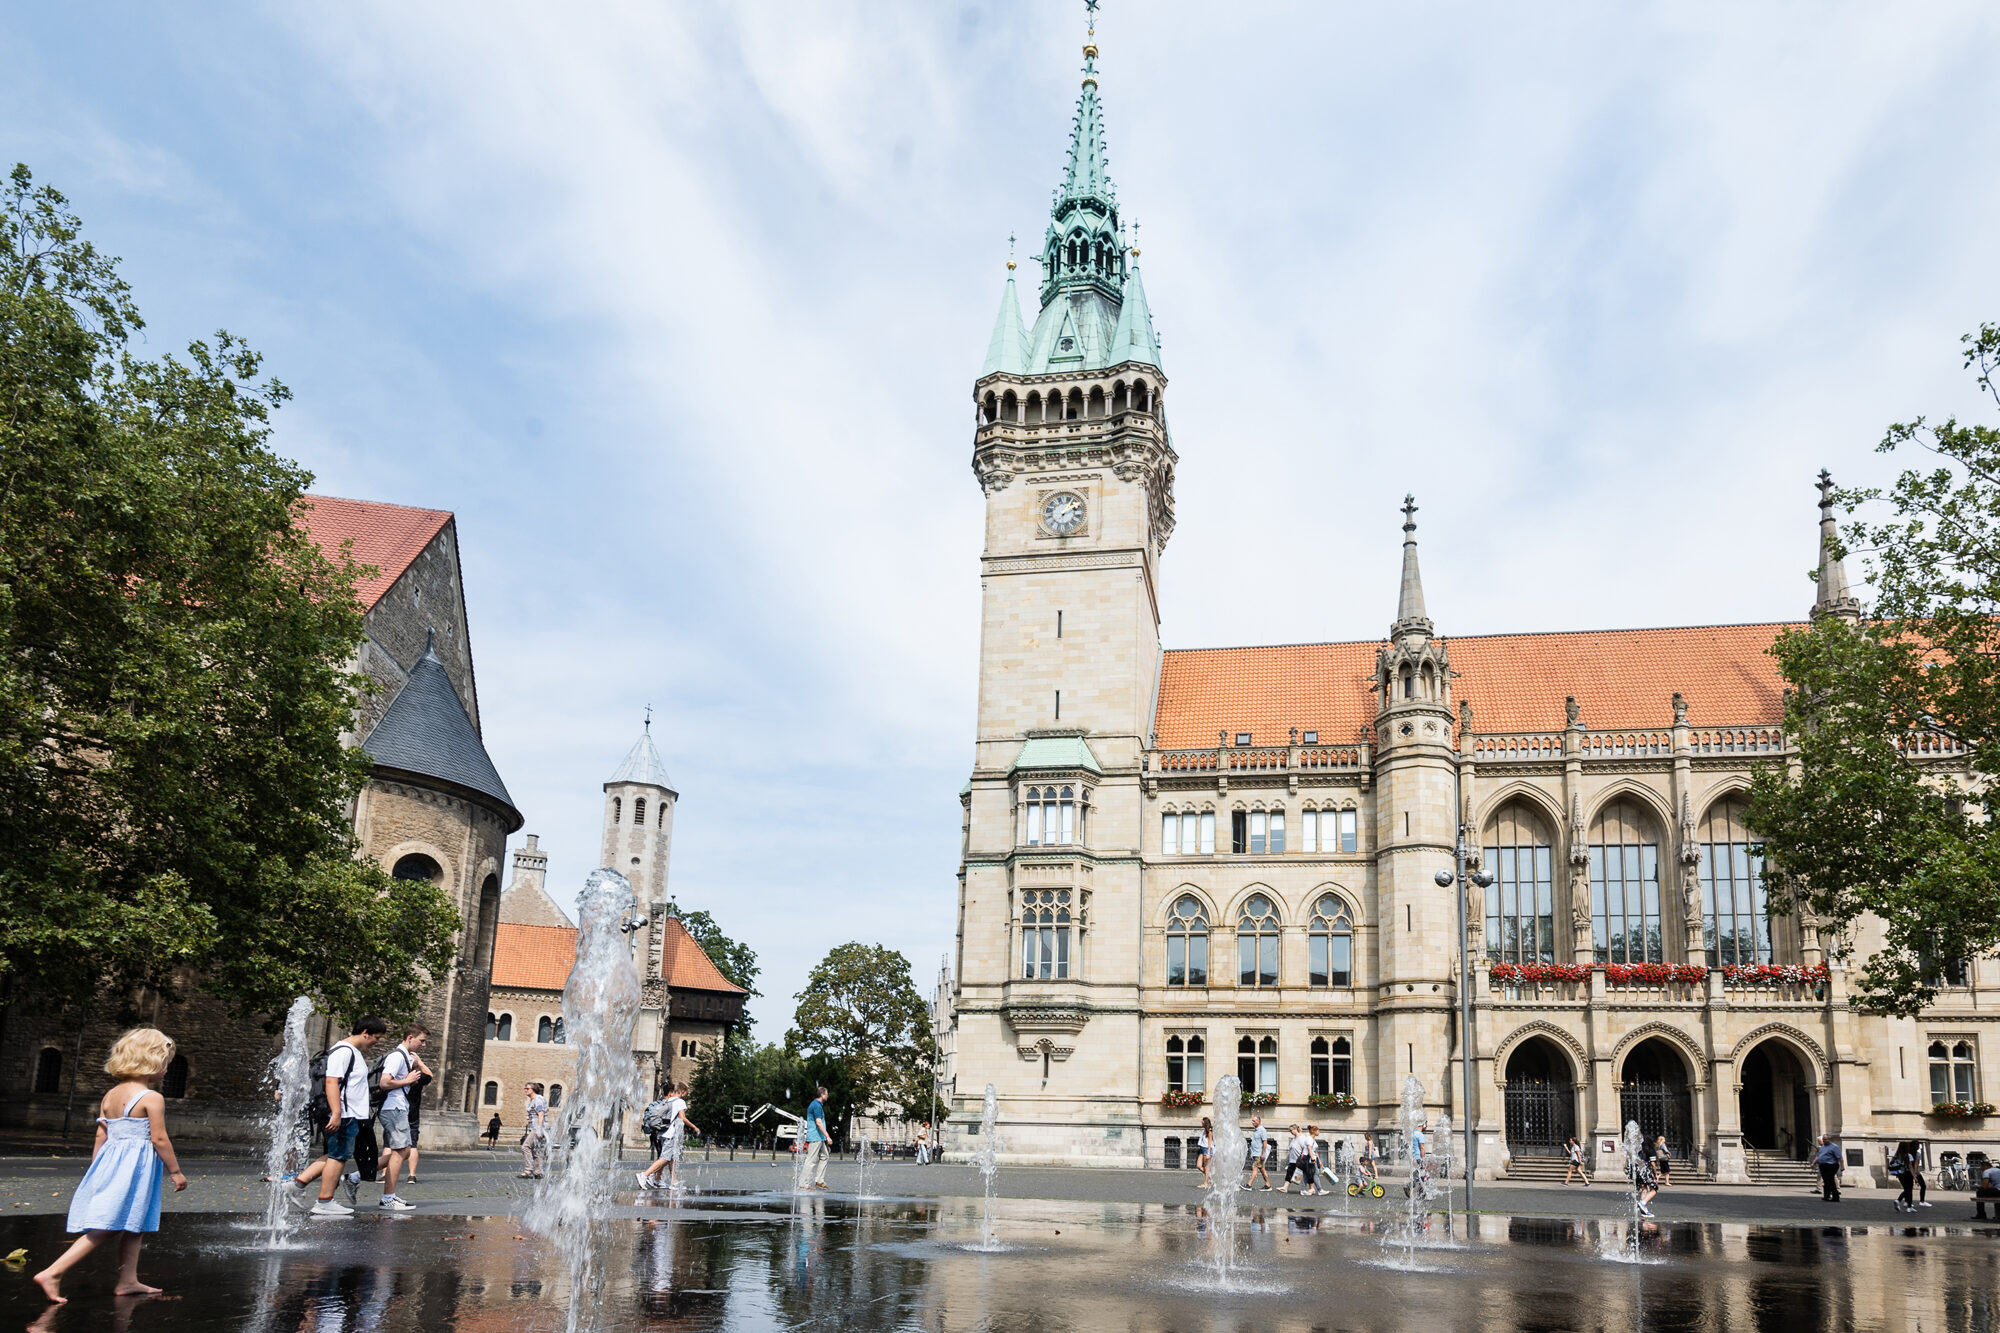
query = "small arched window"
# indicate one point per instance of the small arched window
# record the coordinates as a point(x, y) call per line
point(491, 1097)
point(1187, 944)
point(555, 1095)
point(1010, 406)
point(419, 867)
point(1075, 404)
point(1187, 1065)
point(1409, 683)
point(1257, 943)
point(639, 811)
point(48, 1070)
point(617, 809)
point(545, 1029)
point(505, 1032)
point(992, 406)
point(660, 819)
point(1034, 407)
point(561, 1036)
point(492, 1028)
point(1330, 944)
point(1051, 817)
point(1332, 1067)
point(174, 1082)
point(1257, 1064)
point(1097, 400)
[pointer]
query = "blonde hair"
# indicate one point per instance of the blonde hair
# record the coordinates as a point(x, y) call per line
point(140, 1054)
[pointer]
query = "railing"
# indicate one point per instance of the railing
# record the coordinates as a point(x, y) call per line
point(1539, 992)
point(1804, 994)
point(1738, 740)
point(1260, 758)
point(1619, 744)
point(1522, 746)
point(1931, 745)
point(1526, 746)
point(1661, 992)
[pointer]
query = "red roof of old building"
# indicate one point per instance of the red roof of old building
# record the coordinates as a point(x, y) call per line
point(386, 536)
point(686, 967)
point(1515, 682)
point(533, 957)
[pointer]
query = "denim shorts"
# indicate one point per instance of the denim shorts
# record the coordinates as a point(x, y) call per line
point(340, 1142)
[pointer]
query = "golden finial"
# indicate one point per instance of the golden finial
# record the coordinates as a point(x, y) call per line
point(1010, 252)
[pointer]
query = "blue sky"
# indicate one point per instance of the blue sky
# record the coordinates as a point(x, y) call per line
point(678, 308)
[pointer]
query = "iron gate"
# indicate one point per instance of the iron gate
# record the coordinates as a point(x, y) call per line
point(1660, 1108)
point(1541, 1116)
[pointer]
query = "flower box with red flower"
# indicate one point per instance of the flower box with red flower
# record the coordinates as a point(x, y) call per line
point(1180, 1101)
point(1961, 1110)
point(1538, 972)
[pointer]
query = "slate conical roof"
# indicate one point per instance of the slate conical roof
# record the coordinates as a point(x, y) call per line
point(1007, 352)
point(1411, 617)
point(1835, 597)
point(427, 734)
point(642, 765)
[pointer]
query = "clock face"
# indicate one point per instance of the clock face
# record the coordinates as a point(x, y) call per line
point(1062, 513)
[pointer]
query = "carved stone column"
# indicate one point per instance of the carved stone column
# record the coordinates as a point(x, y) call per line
point(1581, 947)
point(1693, 948)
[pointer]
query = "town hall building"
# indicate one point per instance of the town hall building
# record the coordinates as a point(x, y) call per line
point(1181, 864)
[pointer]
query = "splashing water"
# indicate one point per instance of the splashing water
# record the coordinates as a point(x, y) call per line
point(1225, 1177)
point(1442, 1172)
point(987, 1159)
point(290, 1068)
point(861, 1153)
point(600, 1005)
point(1417, 1194)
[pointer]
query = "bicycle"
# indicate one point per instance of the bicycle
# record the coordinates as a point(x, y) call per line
point(1372, 1188)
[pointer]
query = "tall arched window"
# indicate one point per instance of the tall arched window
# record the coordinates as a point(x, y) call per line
point(545, 1029)
point(1187, 1065)
point(660, 819)
point(617, 808)
point(492, 1028)
point(1953, 1073)
point(1520, 903)
point(486, 930)
point(1625, 886)
point(1332, 1066)
point(1735, 923)
point(639, 811)
point(505, 1030)
point(1330, 944)
point(48, 1070)
point(417, 866)
point(1045, 934)
point(1187, 944)
point(492, 1094)
point(174, 1082)
point(1257, 943)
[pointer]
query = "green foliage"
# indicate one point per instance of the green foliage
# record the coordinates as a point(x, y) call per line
point(741, 1073)
point(860, 1013)
point(173, 678)
point(1870, 825)
point(737, 962)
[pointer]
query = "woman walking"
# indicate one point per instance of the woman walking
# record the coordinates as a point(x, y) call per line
point(1574, 1151)
point(1205, 1146)
point(1663, 1161)
point(120, 1192)
point(1900, 1169)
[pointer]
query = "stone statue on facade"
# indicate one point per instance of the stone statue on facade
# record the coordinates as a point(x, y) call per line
point(1680, 709)
point(1690, 859)
point(1579, 877)
point(1571, 711)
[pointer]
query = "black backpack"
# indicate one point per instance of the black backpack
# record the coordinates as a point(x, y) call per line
point(320, 1109)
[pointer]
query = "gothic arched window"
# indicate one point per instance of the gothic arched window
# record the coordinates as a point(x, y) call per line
point(1045, 935)
point(1187, 1065)
point(1625, 886)
point(1052, 817)
point(1330, 944)
point(1332, 1066)
point(1257, 1064)
point(1735, 924)
point(545, 1029)
point(492, 1027)
point(1257, 943)
point(1187, 944)
point(1520, 902)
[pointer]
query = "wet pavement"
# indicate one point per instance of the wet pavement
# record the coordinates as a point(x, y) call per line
point(755, 1259)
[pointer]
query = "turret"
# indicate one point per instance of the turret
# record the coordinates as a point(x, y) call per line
point(1414, 670)
point(1834, 598)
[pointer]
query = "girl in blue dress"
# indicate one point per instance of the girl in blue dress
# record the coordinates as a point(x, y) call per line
point(120, 1193)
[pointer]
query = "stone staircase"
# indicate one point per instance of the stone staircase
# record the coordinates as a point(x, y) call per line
point(1770, 1167)
point(1554, 1168)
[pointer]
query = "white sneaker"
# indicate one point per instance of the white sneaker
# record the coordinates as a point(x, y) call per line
point(298, 1196)
point(646, 1182)
point(395, 1204)
point(1924, 1204)
point(330, 1208)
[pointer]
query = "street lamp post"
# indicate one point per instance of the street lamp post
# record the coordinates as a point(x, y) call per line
point(1458, 880)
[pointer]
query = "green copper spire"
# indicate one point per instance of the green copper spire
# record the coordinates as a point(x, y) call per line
point(1134, 339)
point(1007, 350)
point(1081, 249)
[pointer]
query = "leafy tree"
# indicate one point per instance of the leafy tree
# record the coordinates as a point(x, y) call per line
point(1870, 825)
point(173, 678)
point(861, 1012)
point(737, 962)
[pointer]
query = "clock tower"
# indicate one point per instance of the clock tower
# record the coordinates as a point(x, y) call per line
point(1072, 450)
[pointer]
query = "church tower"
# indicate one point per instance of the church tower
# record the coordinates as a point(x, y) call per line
point(1072, 451)
point(639, 822)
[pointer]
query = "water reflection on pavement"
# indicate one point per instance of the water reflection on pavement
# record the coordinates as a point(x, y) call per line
point(750, 1262)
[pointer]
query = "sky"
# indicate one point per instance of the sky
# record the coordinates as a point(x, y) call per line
point(678, 307)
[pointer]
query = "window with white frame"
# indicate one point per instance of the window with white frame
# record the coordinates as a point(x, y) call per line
point(1257, 832)
point(1328, 831)
point(1257, 942)
point(1188, 833)
point(1045, 934)
point(1330, 944)
point(1257, 1064)
point(1332, 1066)
point(1953, 1071)
point(1187, 943)
point(1187, 1065)
point(1053, 817)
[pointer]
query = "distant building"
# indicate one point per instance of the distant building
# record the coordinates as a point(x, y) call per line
point(434, 810)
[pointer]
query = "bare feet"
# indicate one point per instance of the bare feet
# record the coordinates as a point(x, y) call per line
point(134, 1289)
point(50, 1285)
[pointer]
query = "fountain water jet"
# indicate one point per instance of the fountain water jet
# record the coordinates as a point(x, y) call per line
point(1225, 1177)
point(987, 1159)
point(600, 1006)
point(290, 1068)
point(1410, 1121)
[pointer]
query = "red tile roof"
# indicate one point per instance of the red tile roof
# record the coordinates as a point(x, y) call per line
point(1516, 682)
point(533, 957)
point(686, 967)
point(386, 536)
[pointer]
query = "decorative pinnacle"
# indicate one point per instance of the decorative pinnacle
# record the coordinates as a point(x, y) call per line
point(1090, 44)
point(1409, 515)
point(1825, 492)
point(649, 719)
point(1010, 252)
point(1135, 238)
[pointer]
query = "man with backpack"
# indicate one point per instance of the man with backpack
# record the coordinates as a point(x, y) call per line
point(401, 1072)
point(339, 1090)
point(672, 1138)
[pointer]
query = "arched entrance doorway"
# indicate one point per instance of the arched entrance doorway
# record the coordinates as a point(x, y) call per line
point(1541, 1100)
point(1775, 1105)
point(1656, 1095)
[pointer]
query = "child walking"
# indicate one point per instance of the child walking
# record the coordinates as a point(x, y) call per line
point(120, 1193)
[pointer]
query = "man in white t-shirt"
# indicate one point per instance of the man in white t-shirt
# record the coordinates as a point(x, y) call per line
point(401, 1071)
point(672, 1141)
point(346, 1092)
point(535, 1142)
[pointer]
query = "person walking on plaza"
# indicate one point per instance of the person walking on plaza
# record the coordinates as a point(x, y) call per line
point(924, 1144)
point(425, 1077)
point(535, 1139)
point(1298, 1160)
point(1903, 1170)
point(1984, 1190)
point(344, 1088)
point(1574, 1152)
point(1828, 1160)
point(1205, 1149)
point(1663, 1161)
point(1644, 1185)
point(1917, 1174)
point(1316, 1181)
point(672, 1141)
point(493, 1132)
point(120, 1192)
point(818, 1142)
point(401, 1071)
point(1260, 1147)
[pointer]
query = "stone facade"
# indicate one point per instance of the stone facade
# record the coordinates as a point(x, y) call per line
point(1282, 814)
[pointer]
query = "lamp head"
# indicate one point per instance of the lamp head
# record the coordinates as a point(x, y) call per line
point(1483, 881)
point(1444, 878)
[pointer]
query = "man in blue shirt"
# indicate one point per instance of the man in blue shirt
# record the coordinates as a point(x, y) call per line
point(817, 1138)
point(1828, 1160)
